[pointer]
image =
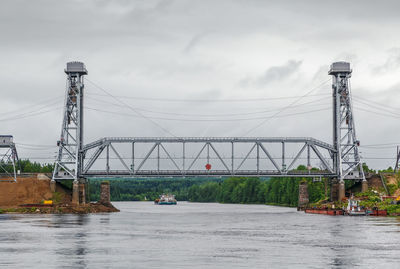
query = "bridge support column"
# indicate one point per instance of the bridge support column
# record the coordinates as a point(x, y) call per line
point(341, 193)
point(303, 196)
point(82, 193)
point(105, 193)
point(337, 191)
point(52, 185)
point(75, 192)
point(364, 185)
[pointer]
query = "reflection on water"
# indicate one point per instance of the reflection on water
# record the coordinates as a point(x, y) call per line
point(194, 235)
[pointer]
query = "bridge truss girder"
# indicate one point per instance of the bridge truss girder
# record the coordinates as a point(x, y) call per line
point(227, 162)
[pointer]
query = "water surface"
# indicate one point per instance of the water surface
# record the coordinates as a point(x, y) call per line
point(194, 235)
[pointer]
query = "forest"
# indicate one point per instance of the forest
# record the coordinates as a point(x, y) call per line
point(27, 166)
point(277, 191)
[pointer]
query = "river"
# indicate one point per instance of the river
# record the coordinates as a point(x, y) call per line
point(198, 235)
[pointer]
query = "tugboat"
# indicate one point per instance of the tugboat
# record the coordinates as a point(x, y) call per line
point(354, 209)
point(166, 199)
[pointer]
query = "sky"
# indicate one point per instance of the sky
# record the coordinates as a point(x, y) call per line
point(200, 68)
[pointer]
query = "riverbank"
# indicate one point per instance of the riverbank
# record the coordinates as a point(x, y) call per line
point(27, 196)
point(60, 209)
point(371, 200)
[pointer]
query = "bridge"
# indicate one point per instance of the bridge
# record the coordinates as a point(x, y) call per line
point(208, 156)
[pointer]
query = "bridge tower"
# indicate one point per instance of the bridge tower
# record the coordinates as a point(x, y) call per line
point(347, 162)
point(8, 159)
point(69, 160)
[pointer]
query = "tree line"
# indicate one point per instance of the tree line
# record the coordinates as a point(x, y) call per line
point(27, 166)
point(279, 191)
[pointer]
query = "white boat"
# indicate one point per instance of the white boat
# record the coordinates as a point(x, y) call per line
point(354, 209)
point(166, 199)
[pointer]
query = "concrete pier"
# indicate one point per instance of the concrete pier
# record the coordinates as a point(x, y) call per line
point(364, 186)
point(52, 185)
point(303, 195)
point(105, 193)
point(341, 193)
point(334, 192)
point(75, 193)
point(82, 193)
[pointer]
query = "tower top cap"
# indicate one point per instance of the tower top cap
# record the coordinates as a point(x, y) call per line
point(76, 67)
point(340, 67)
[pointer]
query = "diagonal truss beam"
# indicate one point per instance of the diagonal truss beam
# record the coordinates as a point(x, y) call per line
point(219, 157)
point(322, 159)
point(146, 157)
point(119, 158)
point(169, 156)
point(297, 156)
point(197, 157)
point(270, 157)
point(247, 156)
point(94, 158)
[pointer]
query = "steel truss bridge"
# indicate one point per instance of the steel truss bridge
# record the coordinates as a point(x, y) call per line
point(232, 165)
point(208, 156)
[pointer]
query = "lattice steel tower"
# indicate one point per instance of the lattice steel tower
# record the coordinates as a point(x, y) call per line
point(69, 160)
point(347, 161)
point(8, 157)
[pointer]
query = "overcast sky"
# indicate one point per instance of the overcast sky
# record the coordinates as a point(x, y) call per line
point(211, 65)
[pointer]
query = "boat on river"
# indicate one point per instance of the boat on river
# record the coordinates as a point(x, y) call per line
point(354, 208)
point(166, 199)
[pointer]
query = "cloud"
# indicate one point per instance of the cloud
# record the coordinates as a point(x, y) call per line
point(193, 42)
point(273, 74)
point(194, 50)
point(392, 62)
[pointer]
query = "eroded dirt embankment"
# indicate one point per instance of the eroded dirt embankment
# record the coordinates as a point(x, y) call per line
point(28, 193)
point(28, 190)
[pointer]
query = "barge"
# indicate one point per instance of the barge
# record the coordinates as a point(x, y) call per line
point(353, 209)
point(324, 211)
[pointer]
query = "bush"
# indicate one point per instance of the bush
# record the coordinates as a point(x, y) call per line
point(391, 188)
point(57, 197)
